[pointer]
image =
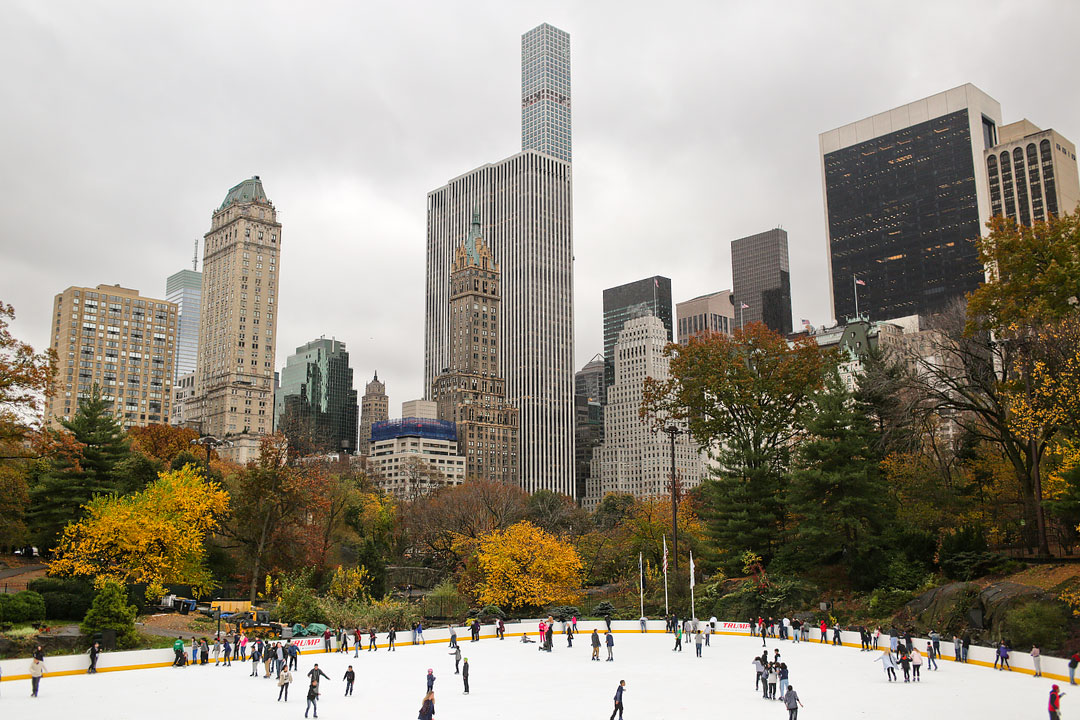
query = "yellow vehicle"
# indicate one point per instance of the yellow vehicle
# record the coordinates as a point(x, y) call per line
point(231, 606)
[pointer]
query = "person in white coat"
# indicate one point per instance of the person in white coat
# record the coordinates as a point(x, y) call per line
point(888, 662)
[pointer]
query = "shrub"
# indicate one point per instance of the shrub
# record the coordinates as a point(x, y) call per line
point(491, 612)
point(604, 609)
point(444, 601)
point(25, 606)
point(299, 604)
point(970, 565)
point(564, 612)
point(886, 601)
point(65, 598)
point(1038, 622)
point(904, 574)
point(110, 611)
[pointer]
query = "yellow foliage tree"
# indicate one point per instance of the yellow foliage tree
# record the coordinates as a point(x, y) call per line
point(523, 566)
point(155, 536)
point(350, 583)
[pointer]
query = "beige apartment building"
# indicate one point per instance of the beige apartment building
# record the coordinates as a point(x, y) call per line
point(712, 313)
point(124, 343)
point(1032, 173)
point(234, 377)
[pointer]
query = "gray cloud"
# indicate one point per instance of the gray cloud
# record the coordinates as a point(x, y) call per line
point(694, 123)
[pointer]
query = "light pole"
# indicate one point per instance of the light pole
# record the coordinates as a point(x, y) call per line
point(673, 431)
point(209, 441)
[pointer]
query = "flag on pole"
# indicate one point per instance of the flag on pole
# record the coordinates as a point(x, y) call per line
point(744, 306)
point(665, 554)
point(691, 569)
point(859, 282)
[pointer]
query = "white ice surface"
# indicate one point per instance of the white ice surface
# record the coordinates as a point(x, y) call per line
point(511, 680)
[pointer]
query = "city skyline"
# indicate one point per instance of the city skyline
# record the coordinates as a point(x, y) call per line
point(345, 196)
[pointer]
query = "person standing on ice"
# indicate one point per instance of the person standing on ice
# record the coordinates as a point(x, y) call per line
point(678, 639)
point(93, 652)
point(595, 645)
point(217, 650)
point(888, 663)
point(905, 663)
point(427, 708)
point(792, 703)
point(618, 700)
point(931, 657)
point(500, 629)
point(465, 675)
point(956, 647)
point(757, 672)
point(1036, 660)
point(609, 640)
point(698, 639)
point(916, 664)
point(708, 632)
point(315, 674)
point(254, 661)
point(283, 681)
point(430, 680)
point(569, 635)
point(456, 652)
point(312, 699)
point(243, 647)
point(350, 678)
point(774, 678)
point(37, 669)
point(783, 673)
point(1055, 703)
point(1003, 655)
point(228, 651)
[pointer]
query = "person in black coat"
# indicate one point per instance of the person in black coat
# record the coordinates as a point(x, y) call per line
point(313, 698)
point(465, 675)
point(350, 678)
point(94, 651)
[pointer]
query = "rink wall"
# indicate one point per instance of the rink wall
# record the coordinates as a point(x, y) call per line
point(18, 669)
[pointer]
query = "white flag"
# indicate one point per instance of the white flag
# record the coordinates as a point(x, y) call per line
point(691, 569)
point(665, 556)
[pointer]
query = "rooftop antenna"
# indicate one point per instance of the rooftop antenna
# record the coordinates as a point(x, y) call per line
point(195, 257)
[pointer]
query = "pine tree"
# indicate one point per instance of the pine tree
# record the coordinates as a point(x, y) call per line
point(837, 494)
point(110, 611)
point(68, 483)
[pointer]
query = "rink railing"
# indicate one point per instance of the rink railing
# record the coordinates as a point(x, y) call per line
point(18, 669)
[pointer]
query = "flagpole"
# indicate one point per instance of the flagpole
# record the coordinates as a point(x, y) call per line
point(693, 610)
point(641, 583)
point(665, 577)
point(855, 284)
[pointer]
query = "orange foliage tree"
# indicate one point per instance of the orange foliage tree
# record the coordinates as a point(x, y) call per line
point(163, 442)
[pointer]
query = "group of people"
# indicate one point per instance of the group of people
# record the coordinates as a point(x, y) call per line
point(771, 676)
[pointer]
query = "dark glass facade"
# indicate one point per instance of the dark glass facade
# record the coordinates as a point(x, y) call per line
point(904, 218)
point(761, 279)
point(315, 406)
point(651, 296)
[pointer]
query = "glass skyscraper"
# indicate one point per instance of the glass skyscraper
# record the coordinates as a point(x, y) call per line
point(315, 405)
point(651, 296)
point(185, 289)
point(905, 202)
point(761, 279)
point(545, 91)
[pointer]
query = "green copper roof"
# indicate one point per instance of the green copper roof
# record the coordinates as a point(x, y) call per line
point(470, 241)
point(247, 191)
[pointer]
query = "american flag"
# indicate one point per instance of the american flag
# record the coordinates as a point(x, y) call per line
point(859, 282)
point(744, 306)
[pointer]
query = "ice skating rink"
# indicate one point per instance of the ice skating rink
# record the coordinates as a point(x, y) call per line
point(512, 680)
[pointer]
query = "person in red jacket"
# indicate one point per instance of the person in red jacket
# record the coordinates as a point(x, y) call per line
point(1055, 703)
point(824, 632)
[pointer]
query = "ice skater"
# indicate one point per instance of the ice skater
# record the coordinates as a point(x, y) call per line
point(1055, 703)
point(609, 640)
point(456, 652)
point(430, 679)
point(618, 700)
point(37, 669)
point(569, 636)
point(465, 675)
point(792, 703)
point(371, 639)
point(312, 698)
point(228, 651)
point(283, 682)
point(350, 678)
point(427, 708)
point(931, 657)
point(888, 663)
point(390, 637)
point(916, 664)
point(757, 672)
point(678, 639)
point(316, 675)
point(94, 651)
point(698, 640)
point(254, 662)
point(595, 641)
point(1003, 656)
point(1036, 660)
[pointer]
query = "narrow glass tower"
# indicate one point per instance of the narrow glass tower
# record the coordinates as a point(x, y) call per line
point(545, 91)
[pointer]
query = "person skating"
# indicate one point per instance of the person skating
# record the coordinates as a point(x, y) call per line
point(569, 635)
point(500, 629)
point(465, 675)
point(294, 655)
point(643, 621)
point(194, 651)
point(217, 650)
point(542, 632)
point(916, 664)
point(453, 636)
point(757, 672)
point(550, 635)
point(312, 699)
point(609, 640)
point(456, 652)
point(371, 640)
point(1074, 660)
point(678, 639)
point(931, 657)
point(1003, 655)
point(765, 681)
point(254, 661)
point(37, 669)
point(283, 681)
point(390, 638)
point(243, 646)
point(316, 675)
point(93, 652)
point(708, 632)
point(783, 673)
point(792, 703)
point(326, 639)
point(774, 678)
point(227, 645)
point(1055, 703)
point(905, 664)
point(888, 663)
point(350, 678)
point(420, 633)
point(427, 707)
point(698, 639)
point(430, 679)
point(824, 633)
point(618, 700)
point(1036, 660)
point(595, 641)
point(358, 640)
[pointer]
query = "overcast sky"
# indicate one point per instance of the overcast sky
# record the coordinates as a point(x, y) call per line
point(124, 124)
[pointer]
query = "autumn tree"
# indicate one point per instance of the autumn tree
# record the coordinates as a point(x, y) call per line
point(156, 536)
point(556, 513)
point(26, 378)
point(525, 567)
point(273, 506)
point(162, 442)
point(744, 398)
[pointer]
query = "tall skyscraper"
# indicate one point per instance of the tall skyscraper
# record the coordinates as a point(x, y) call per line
point(234, 379)
point(124, 343)
point(1032, 173)
point(589, 380)
point(650, 296)
point(761, 279)
point(315, 404)
point(185, 289)
point(712, 313)
point(589, 394)
point(526, 218)
point(633, 459)
point(471, 394)
point(906, 199)
point(374, 407)
point(545, 91)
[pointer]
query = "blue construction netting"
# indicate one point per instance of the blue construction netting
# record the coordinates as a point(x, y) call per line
point(413, 427)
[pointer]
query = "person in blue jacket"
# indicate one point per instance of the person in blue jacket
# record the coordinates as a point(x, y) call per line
point(618, 697)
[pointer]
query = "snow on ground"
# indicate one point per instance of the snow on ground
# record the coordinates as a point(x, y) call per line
point(512, 680)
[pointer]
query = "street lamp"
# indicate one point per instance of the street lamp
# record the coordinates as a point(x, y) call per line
point(673, 431)
point(209, 441)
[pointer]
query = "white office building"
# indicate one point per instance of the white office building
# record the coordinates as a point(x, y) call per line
point(185, 289)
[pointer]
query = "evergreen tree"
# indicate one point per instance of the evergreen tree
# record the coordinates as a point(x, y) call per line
point(110, 611)
point(68, 483)
point(836, 493)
